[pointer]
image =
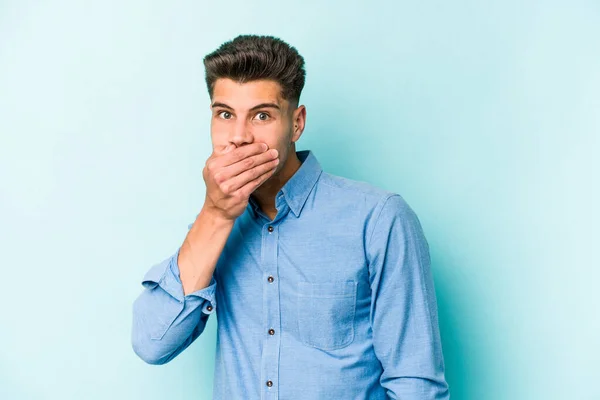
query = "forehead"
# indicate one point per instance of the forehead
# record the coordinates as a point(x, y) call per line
point(247, 94)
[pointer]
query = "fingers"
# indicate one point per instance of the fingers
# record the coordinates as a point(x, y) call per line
point(246, 190)
point(239, 153)
point(249, 175)
point(244, 165)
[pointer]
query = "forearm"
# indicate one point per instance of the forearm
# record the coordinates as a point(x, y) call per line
point(201, 250)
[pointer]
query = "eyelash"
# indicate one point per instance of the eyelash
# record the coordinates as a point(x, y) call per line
point(260, 112)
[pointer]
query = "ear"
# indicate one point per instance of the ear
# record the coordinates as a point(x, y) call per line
point(299, 122)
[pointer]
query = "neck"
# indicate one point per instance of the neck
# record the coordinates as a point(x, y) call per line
point(265, 194)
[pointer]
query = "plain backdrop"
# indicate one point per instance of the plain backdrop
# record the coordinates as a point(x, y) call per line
point(484, 116)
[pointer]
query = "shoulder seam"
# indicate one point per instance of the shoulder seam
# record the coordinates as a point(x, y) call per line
point(383, 202)
point(365, 192)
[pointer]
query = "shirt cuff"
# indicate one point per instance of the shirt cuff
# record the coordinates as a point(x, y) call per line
point(166, 275)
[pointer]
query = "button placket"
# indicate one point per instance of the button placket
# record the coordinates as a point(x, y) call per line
point(271, 307)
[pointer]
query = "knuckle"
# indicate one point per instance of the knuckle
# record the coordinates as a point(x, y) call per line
point(225, 187)
point(248, 162)
point(238, 196)
point(244, 195)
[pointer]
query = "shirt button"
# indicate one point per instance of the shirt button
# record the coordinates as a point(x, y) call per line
point(269, 383)
point(270, 228)
point(209, 308)
point(270, 279)
point(271, 332)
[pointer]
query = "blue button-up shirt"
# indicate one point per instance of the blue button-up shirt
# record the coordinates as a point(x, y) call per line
point(332, 299)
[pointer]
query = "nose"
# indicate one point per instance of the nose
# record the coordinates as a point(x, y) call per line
point(241, 133)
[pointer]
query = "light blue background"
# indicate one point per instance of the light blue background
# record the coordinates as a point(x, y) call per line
point(484, 116)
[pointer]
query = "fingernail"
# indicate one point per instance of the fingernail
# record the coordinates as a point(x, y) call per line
point(263, 146)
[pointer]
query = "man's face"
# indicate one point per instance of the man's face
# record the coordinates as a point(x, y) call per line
point(244, 113)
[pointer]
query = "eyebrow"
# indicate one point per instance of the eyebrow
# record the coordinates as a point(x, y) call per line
point(256, 107)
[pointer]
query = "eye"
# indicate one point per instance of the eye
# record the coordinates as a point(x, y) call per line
point(224, 114)
point(263, 116)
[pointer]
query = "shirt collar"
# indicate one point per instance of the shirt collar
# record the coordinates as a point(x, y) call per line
point(296, 190)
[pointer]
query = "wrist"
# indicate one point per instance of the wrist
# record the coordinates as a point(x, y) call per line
point(212, 215)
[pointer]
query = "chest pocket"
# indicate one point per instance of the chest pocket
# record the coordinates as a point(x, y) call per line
point(326, 313)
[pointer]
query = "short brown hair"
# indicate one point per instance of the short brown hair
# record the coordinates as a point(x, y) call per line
point(253, 57)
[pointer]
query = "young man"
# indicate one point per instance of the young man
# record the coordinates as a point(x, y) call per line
point(321, 285)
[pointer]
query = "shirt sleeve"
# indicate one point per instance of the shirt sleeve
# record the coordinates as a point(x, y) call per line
point(403, 313)
point(165, 322)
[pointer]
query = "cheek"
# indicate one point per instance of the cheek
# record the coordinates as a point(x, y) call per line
point(219, 132)
point(275, 136)
point(214, 128)
point(217, 126)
